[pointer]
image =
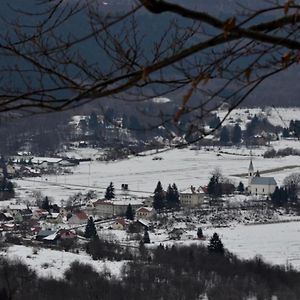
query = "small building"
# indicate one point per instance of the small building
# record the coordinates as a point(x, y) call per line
point(78, 218)
point(145, 213)
point(258, 185)
point(40, 214)
point(5, 217)
point(120, 224)
point(54, 218)
point(192, 197)
point(44, 233)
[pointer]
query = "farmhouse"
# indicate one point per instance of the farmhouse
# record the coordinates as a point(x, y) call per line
point(258, 185)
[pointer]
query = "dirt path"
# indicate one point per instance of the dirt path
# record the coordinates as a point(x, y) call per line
point(268, 170)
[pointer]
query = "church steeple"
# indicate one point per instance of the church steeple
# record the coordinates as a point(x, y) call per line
point(250, 171)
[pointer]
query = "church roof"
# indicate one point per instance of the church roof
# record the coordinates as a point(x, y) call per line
point(263, 181)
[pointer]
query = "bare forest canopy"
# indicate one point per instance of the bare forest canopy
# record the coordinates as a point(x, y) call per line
point(60, 54)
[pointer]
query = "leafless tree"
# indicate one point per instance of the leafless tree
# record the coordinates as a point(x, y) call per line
point(199, 55)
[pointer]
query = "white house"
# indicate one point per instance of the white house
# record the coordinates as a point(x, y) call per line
point(192, 197)
point(258, 185)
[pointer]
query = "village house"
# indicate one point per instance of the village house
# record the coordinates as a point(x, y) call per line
point(145, 213)
point(40, 214)
point(120, 224)
point(54, 218)
point(192, 197)
point(258, 185)
point(78, 218)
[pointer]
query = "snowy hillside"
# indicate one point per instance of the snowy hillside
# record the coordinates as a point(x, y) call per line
point(276, 116)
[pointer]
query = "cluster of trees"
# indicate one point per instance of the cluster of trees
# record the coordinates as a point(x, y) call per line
point(7, 190)
point(256, 126)
point(288, 193)
point(166, 199)
point(231, 135)
point(292, 130)
point(218, 185)
point(281, 152)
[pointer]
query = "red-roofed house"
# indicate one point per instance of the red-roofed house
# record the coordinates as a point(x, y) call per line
point(79, 217)
point(145, 213)
point(120, 224)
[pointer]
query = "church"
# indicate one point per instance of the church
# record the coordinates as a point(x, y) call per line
point(258, 185)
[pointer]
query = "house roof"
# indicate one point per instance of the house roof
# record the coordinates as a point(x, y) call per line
point(103, 202)
point(40, 160)
point(145, 209)
point(81, 215)
point(193, 190)
point(121, 221)
point(263, 181)
point(45, 233)
point(143, 222)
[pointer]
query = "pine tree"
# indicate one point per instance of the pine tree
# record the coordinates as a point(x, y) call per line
point(241, 187)
point(146, 238)
point(90, 229)
point(199, 233)
point(170, 196)
point(215, 244)
point(93, 121)
point(159, 197)
point(46, 204)
point(176, 200)
point(285, 133)
point(110, 192)
point(129, 212)
point(214, 187)
point(236, 134)
point(224, 135)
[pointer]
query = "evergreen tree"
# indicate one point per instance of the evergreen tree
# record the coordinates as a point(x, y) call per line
point(169, 195)
point(199, 233)
point(176, 200)
point(241, 187)
point(46, 204)
point(129, 212)
point(110, 192)
point(159, 197)
point(236, 134)
point(90, 229)
point(215, 244)
point(146, 238)
point(214, 121)
point(93, 121)
point(214, 187)
point(285, 133)
point(224, 135)
point(134, 123)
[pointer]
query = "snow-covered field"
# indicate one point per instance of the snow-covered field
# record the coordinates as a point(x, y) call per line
point(53, 263)
point(276, 243)
point(183, 166)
